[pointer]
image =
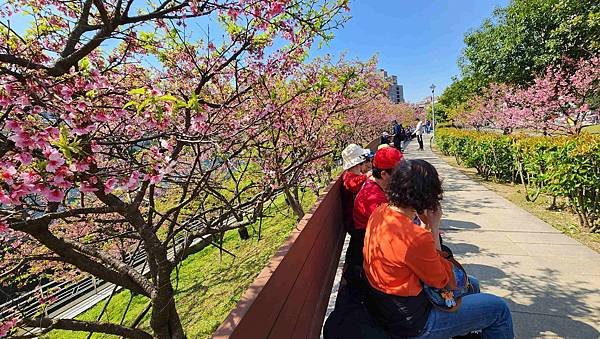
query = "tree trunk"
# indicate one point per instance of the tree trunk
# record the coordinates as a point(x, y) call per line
point(165, 321)
point(294, 203)
point(243, 232)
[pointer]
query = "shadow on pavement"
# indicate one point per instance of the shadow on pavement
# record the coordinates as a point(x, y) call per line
point(540, 305)
point(462, 249)
point(451, 224)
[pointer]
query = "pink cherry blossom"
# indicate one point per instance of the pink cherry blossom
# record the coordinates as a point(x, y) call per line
point(276, 8)
point(154, 178)
point(89, 186)
point(13, 125)
point(133, 181)
point(110, 185)
point(53, 195)
point(55, 160)
point(53, 132)
point(5, 199)
point(22, 140)
point(3, 226)
point(555, 101)
point(6, 326)
point(7, 172)
point(25, 158)
point(60, 182)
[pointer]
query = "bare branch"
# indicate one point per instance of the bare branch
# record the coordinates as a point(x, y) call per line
point(88, 326)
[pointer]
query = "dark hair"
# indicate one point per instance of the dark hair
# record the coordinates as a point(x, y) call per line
point(415, 184)
point(377, 172)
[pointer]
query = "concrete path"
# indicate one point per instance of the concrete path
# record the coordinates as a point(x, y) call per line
point(551, 282)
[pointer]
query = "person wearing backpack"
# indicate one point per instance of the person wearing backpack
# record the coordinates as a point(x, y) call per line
point(399, 135)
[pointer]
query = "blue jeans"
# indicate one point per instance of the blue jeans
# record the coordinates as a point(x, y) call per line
point(477, 311)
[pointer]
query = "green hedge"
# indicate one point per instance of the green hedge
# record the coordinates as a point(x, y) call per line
point(563, 166)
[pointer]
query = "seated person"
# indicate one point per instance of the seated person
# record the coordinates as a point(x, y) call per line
point(356, 164)
point(371, 195)
point(385, 138)
point(399, 256)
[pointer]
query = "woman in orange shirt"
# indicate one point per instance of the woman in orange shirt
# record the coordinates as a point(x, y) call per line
point(399, 256)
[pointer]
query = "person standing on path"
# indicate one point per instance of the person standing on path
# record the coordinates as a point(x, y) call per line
point(419, 133)
point(399, 135)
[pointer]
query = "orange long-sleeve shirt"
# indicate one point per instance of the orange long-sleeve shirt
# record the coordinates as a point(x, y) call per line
point(399, 255)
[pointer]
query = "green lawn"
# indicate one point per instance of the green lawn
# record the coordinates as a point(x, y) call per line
point(595, 129)
point(210, 284)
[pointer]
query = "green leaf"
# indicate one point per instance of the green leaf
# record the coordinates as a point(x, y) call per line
point(137, 91)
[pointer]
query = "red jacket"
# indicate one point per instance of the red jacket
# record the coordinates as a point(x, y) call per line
point(351, 184)
point(367, 200)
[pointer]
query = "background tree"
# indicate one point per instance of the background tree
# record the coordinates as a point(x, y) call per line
point(559, 100)
point(519, 43)
point(316, 118)
point(521, 40)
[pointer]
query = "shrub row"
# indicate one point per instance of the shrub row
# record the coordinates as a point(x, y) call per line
point(562, 166)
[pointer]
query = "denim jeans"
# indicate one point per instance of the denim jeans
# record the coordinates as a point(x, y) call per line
point(477, 311)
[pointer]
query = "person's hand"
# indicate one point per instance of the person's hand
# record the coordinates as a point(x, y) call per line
point(432, 218)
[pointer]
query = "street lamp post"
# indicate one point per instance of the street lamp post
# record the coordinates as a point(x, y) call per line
point(433, 108)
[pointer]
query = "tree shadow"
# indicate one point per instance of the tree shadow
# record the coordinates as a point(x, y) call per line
point(449, 225)
point(456, 203)
point(540, 305)
point(463, 249)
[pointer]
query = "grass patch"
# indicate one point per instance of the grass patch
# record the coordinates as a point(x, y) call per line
point(560, 217)
point(594, 129)
point(210, 283)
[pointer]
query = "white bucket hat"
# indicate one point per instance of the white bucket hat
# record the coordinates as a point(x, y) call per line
point(353, 155)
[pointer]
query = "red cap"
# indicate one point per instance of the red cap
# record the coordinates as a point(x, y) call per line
point(387, 158)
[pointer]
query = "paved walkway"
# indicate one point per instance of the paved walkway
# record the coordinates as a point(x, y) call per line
point(552, 282)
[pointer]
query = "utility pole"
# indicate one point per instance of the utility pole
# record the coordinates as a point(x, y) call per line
point(433, 108)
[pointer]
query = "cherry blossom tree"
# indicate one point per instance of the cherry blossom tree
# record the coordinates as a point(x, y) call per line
point(324, 106)
point(480, 111)
point(122, 127)
point(559, 100)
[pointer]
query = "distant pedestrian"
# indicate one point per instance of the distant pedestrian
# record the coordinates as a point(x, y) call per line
point(399, 135)
point(428, 126)
point(419, 133)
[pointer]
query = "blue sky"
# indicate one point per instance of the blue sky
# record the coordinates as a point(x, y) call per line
point(417, 40)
